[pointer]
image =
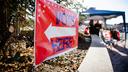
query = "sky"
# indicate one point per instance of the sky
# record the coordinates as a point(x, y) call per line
point(116, 5)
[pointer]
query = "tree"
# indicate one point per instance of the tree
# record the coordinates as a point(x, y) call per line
point(74, 5)
point(12, 16)
point(13, 13)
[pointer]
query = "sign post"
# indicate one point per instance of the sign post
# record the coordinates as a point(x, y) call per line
point(56, 30)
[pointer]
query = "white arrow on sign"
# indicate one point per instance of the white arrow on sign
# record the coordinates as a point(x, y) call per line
point(53, 31)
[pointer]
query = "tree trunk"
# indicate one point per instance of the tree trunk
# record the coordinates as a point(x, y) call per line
point(4, 33)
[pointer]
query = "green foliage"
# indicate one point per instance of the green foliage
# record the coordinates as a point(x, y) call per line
point(82, 17)
point(59, 1)
point(77, 6)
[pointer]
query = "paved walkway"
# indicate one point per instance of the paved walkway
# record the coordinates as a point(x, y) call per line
point(97, 58)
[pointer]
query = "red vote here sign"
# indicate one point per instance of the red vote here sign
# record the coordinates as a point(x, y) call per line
point(56, 30)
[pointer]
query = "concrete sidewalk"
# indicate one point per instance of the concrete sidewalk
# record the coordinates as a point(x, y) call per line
point(97, 58)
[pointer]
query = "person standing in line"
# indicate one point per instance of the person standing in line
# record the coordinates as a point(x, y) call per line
point(97, 27)
point(91, 27)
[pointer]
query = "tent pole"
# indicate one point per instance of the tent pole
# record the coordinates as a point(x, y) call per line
point(125, 26)
point(105, 22)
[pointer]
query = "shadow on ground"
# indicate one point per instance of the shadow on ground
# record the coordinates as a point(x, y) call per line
point(119, 58)
point(84, 42)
